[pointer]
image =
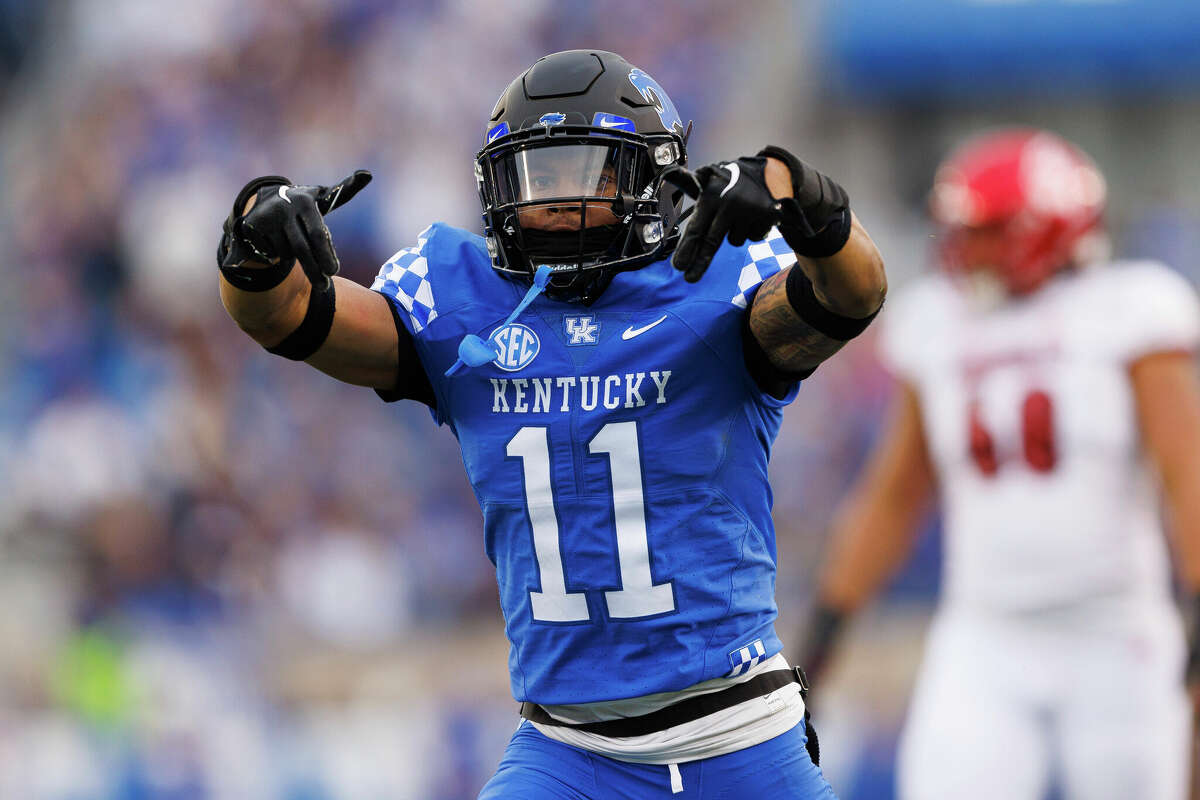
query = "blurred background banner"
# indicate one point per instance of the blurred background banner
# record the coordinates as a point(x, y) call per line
point(926, 50)
point(223, 575)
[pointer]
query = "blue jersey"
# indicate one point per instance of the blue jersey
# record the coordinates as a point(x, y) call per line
point(619, 453)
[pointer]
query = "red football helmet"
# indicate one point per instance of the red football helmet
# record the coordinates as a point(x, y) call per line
point(1020, 204)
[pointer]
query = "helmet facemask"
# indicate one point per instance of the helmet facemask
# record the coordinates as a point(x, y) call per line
point(587, 201)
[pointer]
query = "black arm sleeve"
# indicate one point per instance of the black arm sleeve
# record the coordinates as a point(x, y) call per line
point(770, 378)
point(411, 382)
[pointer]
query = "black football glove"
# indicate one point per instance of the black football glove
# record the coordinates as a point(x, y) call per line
point(817, 202)
point(285, 223)
point(732, 200)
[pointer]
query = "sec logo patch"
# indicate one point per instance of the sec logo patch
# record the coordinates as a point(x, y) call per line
point(516, 346)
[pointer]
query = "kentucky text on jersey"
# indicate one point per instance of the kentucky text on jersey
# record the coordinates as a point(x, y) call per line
point(585, 392)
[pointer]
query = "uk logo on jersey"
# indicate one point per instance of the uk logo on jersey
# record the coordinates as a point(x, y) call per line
point(581, 329)
point(516, 346)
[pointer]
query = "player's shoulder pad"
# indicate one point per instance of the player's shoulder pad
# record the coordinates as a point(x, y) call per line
point(915, 317)
point(444, 270)
point(1147, 279)
point(924, 295)
point(1146, 306)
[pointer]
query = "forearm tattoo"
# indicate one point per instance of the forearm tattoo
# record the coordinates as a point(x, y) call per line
point(789, 342)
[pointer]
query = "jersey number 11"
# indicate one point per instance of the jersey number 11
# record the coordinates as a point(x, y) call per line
point(638, 596)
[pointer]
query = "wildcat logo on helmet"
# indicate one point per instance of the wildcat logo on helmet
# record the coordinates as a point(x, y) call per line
point(651, 92)
point(552, 118)
point(516, 346)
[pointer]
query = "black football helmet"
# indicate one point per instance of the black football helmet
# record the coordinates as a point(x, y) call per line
point(570, 175)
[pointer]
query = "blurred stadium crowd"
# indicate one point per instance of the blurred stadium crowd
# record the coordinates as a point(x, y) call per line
point(221, 575)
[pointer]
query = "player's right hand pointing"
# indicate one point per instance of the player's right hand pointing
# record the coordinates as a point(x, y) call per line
point(275, 221)
point(744, 199)
point(732, 200)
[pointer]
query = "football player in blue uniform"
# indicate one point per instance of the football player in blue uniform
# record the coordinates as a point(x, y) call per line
point(615, 388)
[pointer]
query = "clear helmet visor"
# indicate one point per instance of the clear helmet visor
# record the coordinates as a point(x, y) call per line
point(566, 187)
point(579, 170)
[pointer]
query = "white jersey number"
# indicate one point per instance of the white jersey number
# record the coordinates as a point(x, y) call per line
point(638, 596)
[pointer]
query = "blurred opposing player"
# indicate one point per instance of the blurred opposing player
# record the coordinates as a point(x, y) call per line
point(615, 416)
point(1039, 387)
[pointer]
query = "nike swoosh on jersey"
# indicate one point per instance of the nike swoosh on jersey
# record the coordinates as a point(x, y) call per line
point(283, 193)
point(631, 331)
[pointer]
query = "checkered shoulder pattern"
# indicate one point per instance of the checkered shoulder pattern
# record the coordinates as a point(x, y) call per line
point(405, 277)
point(763, 259)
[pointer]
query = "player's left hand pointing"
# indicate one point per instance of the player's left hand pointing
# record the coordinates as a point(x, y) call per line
point(732, 200)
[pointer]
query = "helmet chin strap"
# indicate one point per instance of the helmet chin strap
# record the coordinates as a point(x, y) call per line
point(473, 351)
point(985, 291)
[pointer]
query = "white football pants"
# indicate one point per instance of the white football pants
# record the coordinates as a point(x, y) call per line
point(1090, 700)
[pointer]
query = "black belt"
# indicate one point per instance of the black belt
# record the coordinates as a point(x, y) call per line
point(678, 713)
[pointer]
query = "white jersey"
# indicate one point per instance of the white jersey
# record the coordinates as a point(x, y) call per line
point(1029, 418)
